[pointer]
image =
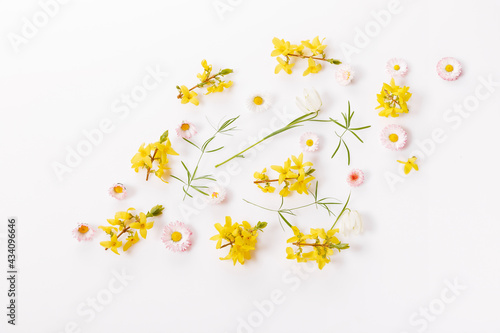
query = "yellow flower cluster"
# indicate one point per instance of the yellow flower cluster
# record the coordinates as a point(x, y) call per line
point(242, 239)
point(284, 50)
point(129, 223)
point(154, 155)
point(392, 100)
point(293, 177)
point(322, 242)
point(213, 83)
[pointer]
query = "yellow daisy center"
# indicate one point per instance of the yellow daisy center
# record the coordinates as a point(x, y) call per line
point(215, 195)
point(185, 127)
point(176, 236)
point(393, 137)
point(309, 142)
point(258, 100)
point(397, 68)
point(83, 229)
point(449, 68)
point(118, 189)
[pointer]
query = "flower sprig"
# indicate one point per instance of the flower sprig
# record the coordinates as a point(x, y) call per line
point(242, 239)
point(130, 223)
point(154, 155)
point(347, 128)
point(212, 82)
point(293, 177)
point(392, 100)
point(284, 51)
point(191, 176)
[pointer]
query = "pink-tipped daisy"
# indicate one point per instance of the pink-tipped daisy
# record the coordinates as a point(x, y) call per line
point(396, 67)
point(118, 191)
point(309, 142)
point(176, 237)
point(185, 130)
point(355, 177)
point(344, 74)
point(216, 195)
point(449, 68)
point(83, 232)
point(393, 137)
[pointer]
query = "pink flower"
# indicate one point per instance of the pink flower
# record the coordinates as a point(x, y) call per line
point(344, 74)
point(309, 142)
point(449, 68)
point(186, 130)
point(176, 237)
point(83, 232)
point(393, 137)
point(396, 67)
point(118, 191)
point(355, 177)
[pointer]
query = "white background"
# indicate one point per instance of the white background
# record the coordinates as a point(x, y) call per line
point(439, 224)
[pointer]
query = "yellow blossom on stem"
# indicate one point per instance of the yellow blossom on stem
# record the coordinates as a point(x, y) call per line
point(283, 65)
point(143, 225)
point(113, 244)
point(312, 67)
point(242, 239)
point(315, 46)
point(410, 164)
point(131, 240)
point(188, 96)
point(281, 47)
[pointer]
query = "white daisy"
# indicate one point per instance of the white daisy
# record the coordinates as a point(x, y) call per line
point(396, 67)
point(176, 237)
point(309, 142)
point(393, 137)
point(344, 74)
point(118, 191)
point(216, 195)
point(449, 68)
point(83, 232)
point(258, 102)
point(185, 130)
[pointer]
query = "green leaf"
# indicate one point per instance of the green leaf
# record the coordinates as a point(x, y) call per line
point(356, 136)
point(191, 143)
point(185, 167)
point(164, 137)
point(261, 225)
point(284, 219)
point(214, 150)
point(360, 128)
point(225, 71)
point(336, 150)
point(155, 211)
point(342, 211)
point(348, 154)
point(175, 177)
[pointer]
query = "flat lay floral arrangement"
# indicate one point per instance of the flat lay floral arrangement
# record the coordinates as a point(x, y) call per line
point(295, 176)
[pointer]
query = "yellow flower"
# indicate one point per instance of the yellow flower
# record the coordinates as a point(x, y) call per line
point(267, 189)
point(302, 184)
point(299, 164)
point(188, 96)
point(410, 164)
point(284, 171)
point(315, 46)
point(108, 230)
point(392, 99)
point(131, 240)
point(113, 244)
point(282, 65)
point(312, 67)
point(143, 226)
point(261, 175)
point(281, 47)
point(207, 70)
point(285, 191)
point(219, 87)
point(142, 158)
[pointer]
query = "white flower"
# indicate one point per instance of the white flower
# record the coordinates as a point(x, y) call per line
point(311, 103)
point(83, 232)
point(176, 237)
point(350, 223)
point(393, 137)
point(344, 74)
point(309, 142)
point(118, 191)
point(396, 67)
point(185, 130)
point(449, 69)
point(216, 195)
point(258, 102)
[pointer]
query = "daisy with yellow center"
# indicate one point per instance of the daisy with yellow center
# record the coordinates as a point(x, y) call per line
point(185, 130)
point(176, 237)
point(394, 137)
point(258, 102)
point(83, 232)
point(449, 69)
point(216, 195)
point(396, 67)
point(118, 191)
point(344, 74)
point(309, 142)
